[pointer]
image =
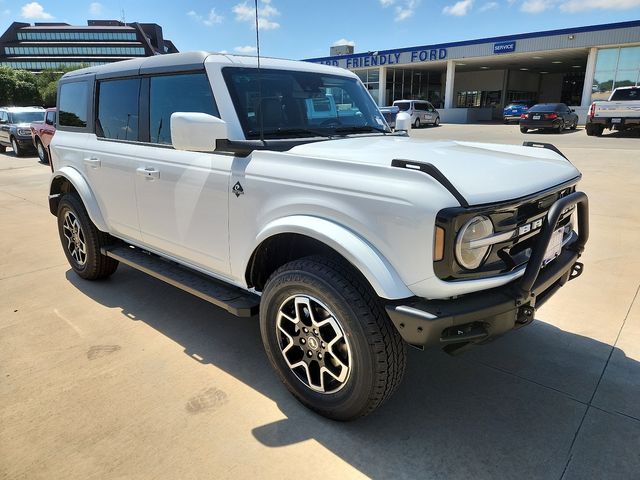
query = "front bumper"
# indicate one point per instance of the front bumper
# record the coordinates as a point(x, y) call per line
point(479, 316)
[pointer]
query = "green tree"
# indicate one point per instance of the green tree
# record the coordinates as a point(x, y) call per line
point(18, 87)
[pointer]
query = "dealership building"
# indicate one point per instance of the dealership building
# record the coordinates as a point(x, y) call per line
point(50, 45)
point(473, 80)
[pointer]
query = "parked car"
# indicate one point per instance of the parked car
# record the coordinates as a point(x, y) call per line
point(549, 116)
point(15, 131)
point(42, 132)
point(421, 112)
point(348, 240)
point(514, 110)
point(620, 112)
point(389, 114)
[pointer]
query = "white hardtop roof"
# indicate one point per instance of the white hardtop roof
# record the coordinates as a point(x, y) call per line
point(22, 109)
point(193, 60)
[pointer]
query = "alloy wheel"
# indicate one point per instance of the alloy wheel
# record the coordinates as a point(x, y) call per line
point(313, 344)
point(73, 234)
point(40, 151)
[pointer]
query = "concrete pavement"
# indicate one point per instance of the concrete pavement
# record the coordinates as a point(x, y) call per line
point(131, 378)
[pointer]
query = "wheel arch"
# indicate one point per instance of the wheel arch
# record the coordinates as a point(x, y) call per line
point(294, 237)
point(67, 180)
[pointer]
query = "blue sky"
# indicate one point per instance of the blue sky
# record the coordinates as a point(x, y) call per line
point(302, 29)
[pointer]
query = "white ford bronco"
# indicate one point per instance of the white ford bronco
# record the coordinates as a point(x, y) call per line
point(278, 189)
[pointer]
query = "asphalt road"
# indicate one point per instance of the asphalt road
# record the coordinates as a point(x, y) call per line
point(132, 379)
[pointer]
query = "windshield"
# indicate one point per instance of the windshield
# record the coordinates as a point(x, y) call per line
point(626, 94)
point(290, 104)
point(517, 105)
point(27, 117)
point(403, 106)
point(544, 107)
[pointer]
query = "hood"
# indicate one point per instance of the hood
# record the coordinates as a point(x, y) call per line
point(481, 172)
point(23, 125)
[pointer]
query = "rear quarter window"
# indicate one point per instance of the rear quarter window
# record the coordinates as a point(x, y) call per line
point(73, 103)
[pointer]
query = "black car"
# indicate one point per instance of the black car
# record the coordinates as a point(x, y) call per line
point(15, 127)
point(552, 116)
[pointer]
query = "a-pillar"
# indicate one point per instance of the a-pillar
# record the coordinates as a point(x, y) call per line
point(589, 75)
point(382, 86)
point(448, 86)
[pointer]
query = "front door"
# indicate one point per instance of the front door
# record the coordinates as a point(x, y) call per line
point(183, 196)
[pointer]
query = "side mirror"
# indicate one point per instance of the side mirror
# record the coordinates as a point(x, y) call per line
point(196, 132)
point(573, 110)
point(403, 122)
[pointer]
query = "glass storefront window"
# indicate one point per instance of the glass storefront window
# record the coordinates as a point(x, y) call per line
point(615, 67)
point(607, 59)
point(629, 58)
point(626, 78)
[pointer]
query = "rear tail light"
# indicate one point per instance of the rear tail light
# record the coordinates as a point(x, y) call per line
point(523, 115)
point(552, 116)
point(592, 110)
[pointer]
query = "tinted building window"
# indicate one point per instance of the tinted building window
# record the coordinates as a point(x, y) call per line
point(118, 109)
point(72, 107)
point(177, 93)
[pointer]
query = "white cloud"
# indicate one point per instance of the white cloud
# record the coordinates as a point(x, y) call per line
point(96, 8)
point(266, 12)
point(534, 6)
point(209, 20)
point(573, 6)
point(488, 6)
point(458, 9)
point(387, 3)
point(344, 41)
point(223, 52)
point(405, 9)
point(34, 11)
point(247, 49)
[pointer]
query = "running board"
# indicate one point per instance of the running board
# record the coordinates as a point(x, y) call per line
point(233, 299)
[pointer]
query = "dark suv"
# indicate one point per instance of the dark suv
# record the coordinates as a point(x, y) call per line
point(15, 128)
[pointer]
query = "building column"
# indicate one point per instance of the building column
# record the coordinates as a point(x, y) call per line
point(448, 84)
point(382, 86)
point(589, 75)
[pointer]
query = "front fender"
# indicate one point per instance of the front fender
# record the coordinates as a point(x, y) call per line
point(377, 270)
point(75, 178)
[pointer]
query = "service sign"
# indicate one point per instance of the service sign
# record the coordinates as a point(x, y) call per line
point(504, 47)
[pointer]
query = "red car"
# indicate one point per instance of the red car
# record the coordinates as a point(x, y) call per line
point(42, 133)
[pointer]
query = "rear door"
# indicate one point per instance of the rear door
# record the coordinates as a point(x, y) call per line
point(48, 128)
point(4, 127)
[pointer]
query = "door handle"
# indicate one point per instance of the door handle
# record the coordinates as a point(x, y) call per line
point(92, 162)
point(148, 172)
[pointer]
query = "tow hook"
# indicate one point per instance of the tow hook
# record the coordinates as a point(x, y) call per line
point(526, 315)
point(576, 270)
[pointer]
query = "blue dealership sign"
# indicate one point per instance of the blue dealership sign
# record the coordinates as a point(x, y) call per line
point(504, 47)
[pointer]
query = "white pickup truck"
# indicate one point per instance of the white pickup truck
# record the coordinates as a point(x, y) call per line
point(281, 191)
point(620, 112)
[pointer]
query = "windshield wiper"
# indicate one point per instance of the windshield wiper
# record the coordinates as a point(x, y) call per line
point(361, 129)
point(293, 131)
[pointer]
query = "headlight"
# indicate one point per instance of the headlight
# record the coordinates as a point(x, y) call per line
point(24, 133)
point(468, 255)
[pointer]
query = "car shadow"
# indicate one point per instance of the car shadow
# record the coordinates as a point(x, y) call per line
point(551, 132)
point(489, 413)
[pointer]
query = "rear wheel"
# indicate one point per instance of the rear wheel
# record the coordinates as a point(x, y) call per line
point(329, 339)
point(82, 241)
point(575, 125)
point(560, 127)
point(594, 130)
point(3, 149)
point(17, 151)
point(524, 129)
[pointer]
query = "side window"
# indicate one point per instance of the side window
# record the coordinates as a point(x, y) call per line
point(51, 118)
point(117, 116)
point(188, 92)
point(73, 104)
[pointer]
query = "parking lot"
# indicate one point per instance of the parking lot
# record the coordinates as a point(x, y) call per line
point(131, 378)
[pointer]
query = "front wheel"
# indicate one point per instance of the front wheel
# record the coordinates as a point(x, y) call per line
point(329, 339)
point(82, 241)
point(42, 152)
point(437, 122)
point(417, 123)
point(17, 151)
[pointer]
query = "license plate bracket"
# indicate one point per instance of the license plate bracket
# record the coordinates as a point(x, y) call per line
point(536, 117)
point(555, 246)
point(616, 120)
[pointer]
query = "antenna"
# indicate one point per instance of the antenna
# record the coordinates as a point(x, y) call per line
point(122, 17)
point(259, 76)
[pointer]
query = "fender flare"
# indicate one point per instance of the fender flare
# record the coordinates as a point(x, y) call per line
point(381, 275)
point(81, 186)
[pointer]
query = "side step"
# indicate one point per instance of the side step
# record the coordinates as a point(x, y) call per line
point(233, 299)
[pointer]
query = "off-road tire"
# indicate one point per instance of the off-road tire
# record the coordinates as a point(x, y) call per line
point(96, 266)
point(3, 149)
point(43, 155)
point(377, 352)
